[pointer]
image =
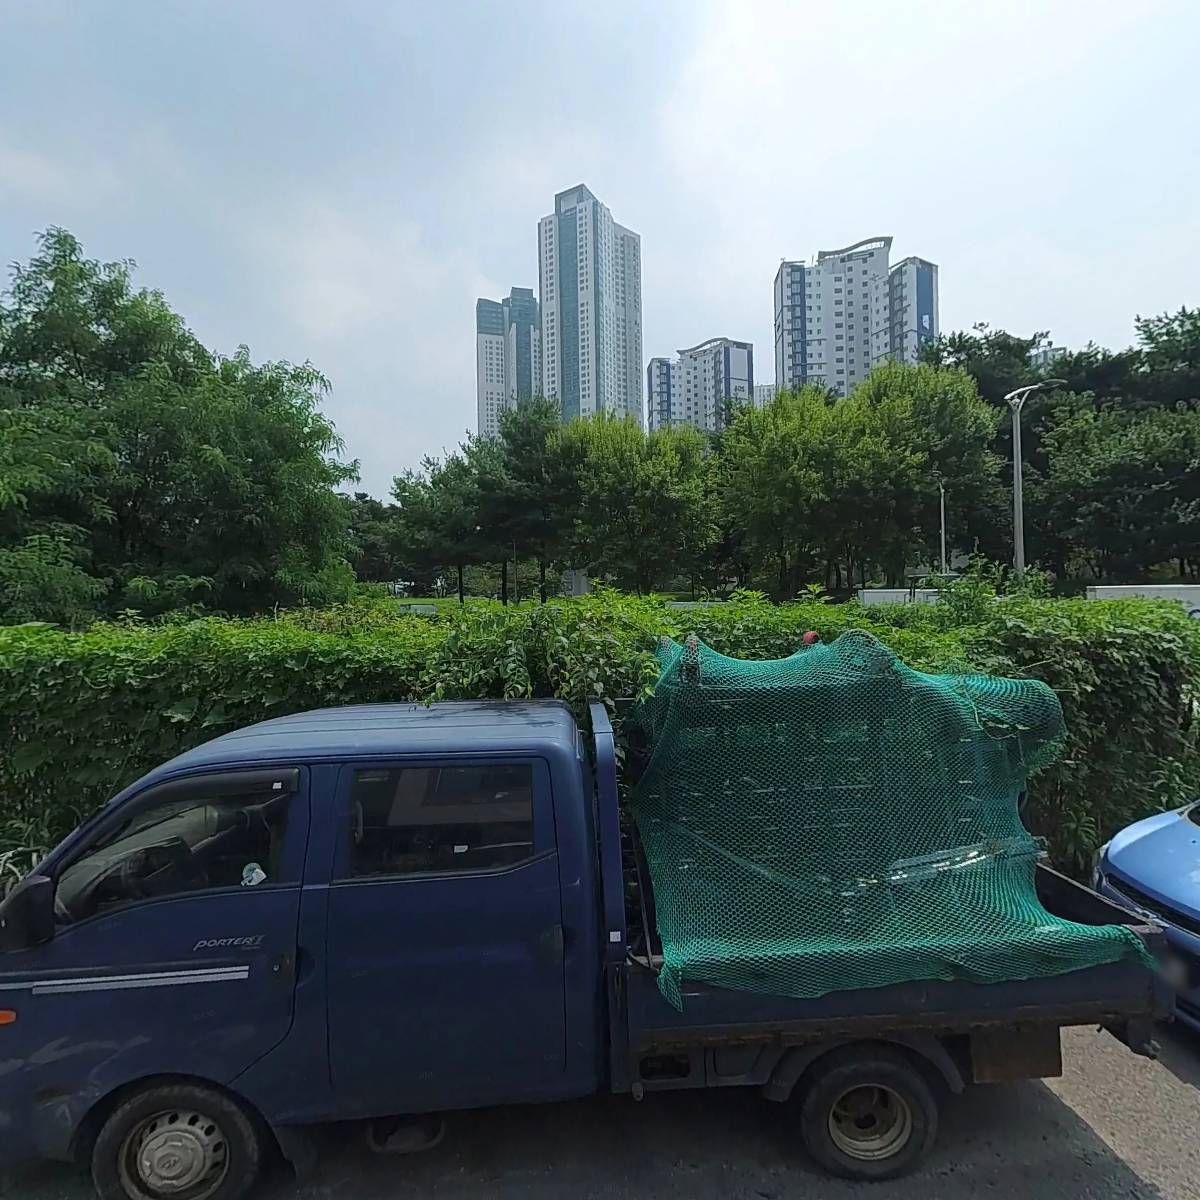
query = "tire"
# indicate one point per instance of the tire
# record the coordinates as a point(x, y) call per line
point(867, 1113)
point(177, 1141)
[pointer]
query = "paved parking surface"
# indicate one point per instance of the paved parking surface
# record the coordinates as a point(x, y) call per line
point(1113, 1126)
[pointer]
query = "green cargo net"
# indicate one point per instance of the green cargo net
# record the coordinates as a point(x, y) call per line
point(838, 820)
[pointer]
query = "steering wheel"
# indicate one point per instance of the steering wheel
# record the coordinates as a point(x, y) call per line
point(142, 868)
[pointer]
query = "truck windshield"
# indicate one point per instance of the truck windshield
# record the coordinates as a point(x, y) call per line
point(184, 844)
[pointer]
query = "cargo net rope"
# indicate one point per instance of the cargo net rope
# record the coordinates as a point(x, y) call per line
point(838, 820)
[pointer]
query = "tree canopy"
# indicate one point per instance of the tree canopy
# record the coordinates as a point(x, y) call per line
point(142, 470)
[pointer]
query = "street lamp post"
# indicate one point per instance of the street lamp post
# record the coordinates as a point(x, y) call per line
point(1016, 401)
point(942, 498)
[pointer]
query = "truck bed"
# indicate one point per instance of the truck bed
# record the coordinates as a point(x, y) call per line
point(1124, 997)
point(725, 1036)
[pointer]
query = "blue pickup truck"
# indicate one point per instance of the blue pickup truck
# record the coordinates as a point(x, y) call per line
point(380, 911)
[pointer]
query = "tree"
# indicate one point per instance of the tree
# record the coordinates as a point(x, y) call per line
point(1104, 376)
point(833, 490)
point(922, 427)
point(45, 454)
point(998, 361)
point(1122, 489)
point(165, 474)
point(41, 580)
point(1169, 357)
point(442, 507)
point(374, 538)
point(497, 507)
point(772, 484)
point(643, 500)
point(1161, 370)
point(536, 502)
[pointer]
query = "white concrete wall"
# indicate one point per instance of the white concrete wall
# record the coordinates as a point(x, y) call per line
point(738, 384)
point(898, 596)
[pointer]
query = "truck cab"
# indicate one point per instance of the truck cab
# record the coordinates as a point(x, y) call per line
point(339, 914)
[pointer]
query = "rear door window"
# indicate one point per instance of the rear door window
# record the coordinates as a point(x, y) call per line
point(434, 818)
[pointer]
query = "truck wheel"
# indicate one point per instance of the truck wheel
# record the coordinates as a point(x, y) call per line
point(177, 1141)
point(867, 1113)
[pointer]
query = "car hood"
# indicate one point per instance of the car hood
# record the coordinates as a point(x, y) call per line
point(1161, 856)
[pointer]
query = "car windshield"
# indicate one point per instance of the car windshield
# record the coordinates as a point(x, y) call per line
point(1193, 814)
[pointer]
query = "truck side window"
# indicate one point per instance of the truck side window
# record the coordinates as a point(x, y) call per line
point(414, 820)
point(192, 843)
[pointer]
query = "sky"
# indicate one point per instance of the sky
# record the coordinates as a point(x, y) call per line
point(338, 183)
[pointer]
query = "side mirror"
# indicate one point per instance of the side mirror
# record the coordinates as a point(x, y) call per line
point(27, 915)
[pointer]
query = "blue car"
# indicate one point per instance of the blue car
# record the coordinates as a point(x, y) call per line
point(1153, 868)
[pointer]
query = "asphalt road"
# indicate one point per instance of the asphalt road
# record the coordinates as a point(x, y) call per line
point(1113, 1126)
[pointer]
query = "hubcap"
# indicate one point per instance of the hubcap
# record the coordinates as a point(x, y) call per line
point(870, 1123)
point(179, 1155)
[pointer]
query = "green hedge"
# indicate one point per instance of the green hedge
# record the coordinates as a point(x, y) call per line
point(83, 714)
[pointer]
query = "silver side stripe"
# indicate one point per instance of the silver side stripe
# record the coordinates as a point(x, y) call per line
point(113, 983)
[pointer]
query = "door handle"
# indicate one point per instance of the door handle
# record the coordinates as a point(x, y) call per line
point(550, 944)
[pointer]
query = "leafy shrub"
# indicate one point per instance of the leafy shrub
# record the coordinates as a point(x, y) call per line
point(83, 714)
point(1128, 675)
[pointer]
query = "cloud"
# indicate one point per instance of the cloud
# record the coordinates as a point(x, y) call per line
point(92, 173)
point(388, 316)
point(33, 175)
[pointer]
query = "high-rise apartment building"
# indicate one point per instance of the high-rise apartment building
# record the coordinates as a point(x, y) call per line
point(911, 297)
point(1041, 358)
point(698, 386)
point(764, 394)
point(847, 310)
point(590, 271)
point(508, 356)
point(490, 395)
point(660, 394)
